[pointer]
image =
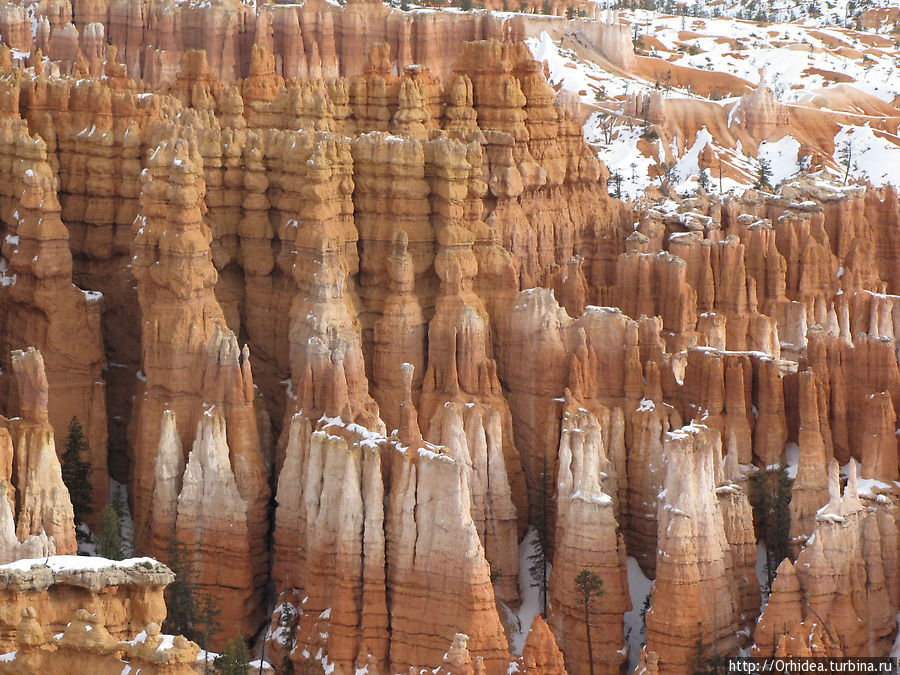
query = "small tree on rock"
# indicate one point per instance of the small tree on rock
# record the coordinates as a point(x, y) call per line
point(76, 472)
point(589, 586)
point(708, 662)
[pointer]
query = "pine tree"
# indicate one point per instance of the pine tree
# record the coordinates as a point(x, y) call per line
point(703, 180)
point(781, 517)
point(540, 572)
point(845, 157)
point(770, 494)
point(706, 663)
point(206, 623)
point(195, 616)
point(644, 609)
point(76, 473)
point(700, 656)
point(180, 594)
point(109, 536)
point(589, 586)
point(235, 659)
point(764, 178)
point(615, 178)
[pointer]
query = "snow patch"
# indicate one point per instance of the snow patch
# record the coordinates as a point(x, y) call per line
point(61, 563)
point(782, 156)
point(639, 587)
point(529, 593)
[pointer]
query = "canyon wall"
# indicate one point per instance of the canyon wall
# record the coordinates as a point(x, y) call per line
point(363, 315)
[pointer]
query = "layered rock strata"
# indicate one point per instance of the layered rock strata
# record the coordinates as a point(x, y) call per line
point(127, 594)
point(694, 598)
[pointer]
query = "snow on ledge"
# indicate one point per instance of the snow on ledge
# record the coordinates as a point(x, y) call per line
point(92, 573)
point(65, 563)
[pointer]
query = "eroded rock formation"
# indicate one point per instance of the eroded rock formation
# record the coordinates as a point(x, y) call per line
point(127, 595)
point(364, 258)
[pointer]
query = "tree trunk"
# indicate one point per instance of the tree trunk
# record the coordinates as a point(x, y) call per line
point(587, 630)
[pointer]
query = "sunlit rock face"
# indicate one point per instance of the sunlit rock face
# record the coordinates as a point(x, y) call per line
point(341, 296)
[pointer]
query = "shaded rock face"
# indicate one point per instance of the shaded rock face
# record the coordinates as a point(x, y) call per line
point(399, 298)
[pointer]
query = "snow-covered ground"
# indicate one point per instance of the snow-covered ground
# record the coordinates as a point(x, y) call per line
point(638, 588)
point(118, 496)
point(851, 76)
point(871, 156)
point(59, 563)
point(528, 592)
point(815, 13)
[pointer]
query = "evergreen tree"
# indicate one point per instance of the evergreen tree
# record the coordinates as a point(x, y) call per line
point(589, 586)
point(615, 179)
point(648, 132)
point(109, 536)
point(770, 494)
point(764, 178)
point(703, 180)
point(180, 594)
point(644, 609)
point(76, 472)
point(195, 616)
point(781, 517)
point(287, 626)
point(235, 660)
point(206, 623)
point(706, 663)
point(540, 569)
point(845, 157)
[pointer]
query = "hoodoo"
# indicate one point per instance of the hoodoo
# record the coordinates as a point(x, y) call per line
point(418, 338)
